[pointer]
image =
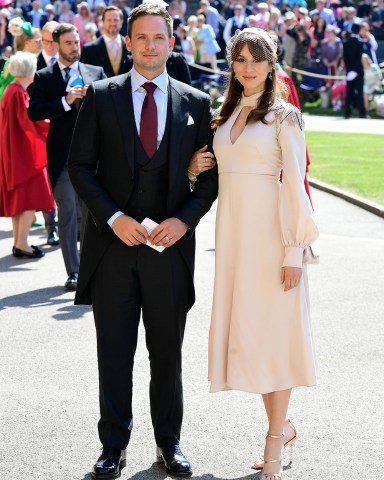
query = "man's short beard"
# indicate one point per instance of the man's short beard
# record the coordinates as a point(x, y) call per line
point(113, 32)
point(67, 58)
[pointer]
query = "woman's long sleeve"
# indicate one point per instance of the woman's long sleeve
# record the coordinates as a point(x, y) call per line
point(298, 227)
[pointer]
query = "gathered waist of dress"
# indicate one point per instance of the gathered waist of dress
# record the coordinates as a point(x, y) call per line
point(275, 177)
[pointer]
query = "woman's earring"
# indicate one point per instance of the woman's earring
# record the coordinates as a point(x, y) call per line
point(270, 76)
point(235, 77)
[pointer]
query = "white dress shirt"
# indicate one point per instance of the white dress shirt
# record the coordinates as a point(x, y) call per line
point(74, 70)
point(160, 96)
point(112, 44)
point(48, 58)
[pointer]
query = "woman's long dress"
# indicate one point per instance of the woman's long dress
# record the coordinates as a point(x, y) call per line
point(260, 337)
point(24, 183)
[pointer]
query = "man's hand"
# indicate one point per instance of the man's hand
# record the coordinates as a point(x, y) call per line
point(76, 92)
point(167, 233)
point(290, 276)
point(129, 231)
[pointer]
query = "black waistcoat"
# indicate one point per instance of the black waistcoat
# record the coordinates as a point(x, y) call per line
point(234, 27)
point(150, 189)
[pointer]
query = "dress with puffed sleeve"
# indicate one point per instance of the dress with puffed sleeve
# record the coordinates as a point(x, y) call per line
point(260, 338)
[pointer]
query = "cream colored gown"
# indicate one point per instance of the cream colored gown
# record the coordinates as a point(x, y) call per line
point(260, 338)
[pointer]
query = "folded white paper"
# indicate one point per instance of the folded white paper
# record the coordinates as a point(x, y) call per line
point(150, 225)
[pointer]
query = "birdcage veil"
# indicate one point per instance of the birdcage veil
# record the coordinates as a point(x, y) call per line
point(261, 45)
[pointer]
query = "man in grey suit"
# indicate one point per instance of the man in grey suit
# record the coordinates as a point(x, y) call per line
point(57, 93)
point(133, 141)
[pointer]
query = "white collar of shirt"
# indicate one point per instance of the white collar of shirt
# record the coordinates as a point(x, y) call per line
point(138, 81)
point(74, 67)
point(109, 41)
point(239, 20)
point(48, 58)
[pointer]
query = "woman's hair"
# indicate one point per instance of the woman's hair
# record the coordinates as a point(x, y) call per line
point(23, 64)
point(262, 48)
point(83, 5)
point(21, 40)
point(317, 22)
point(22, 31)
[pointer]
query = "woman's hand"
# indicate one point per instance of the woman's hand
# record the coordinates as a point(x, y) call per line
point(290, 276)
point(201, 161)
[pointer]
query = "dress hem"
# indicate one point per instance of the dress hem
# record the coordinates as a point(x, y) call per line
point(248, 390)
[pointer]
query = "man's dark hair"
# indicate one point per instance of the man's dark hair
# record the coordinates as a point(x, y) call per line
point(355, 28)
point(112, 8)
point(150, 9)
point(61, 29)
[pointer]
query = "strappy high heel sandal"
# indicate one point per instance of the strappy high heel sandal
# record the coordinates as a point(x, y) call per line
point(259, 463)
point(276, 475)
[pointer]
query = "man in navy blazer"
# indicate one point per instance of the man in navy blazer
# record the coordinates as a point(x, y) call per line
point(352, 55)
point(121, 276)
point(56, 94)
point(108, 51)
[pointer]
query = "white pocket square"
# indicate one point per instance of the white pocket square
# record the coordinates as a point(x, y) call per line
point(190, 121)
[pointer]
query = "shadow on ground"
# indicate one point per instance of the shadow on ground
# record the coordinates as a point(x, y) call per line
point(47, 297)
point(157, 472)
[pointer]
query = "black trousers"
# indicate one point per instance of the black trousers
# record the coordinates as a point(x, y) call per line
point(130, 281)
point(355, 96)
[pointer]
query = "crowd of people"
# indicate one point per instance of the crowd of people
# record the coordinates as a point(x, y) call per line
point(308, 38)
point(333, 38)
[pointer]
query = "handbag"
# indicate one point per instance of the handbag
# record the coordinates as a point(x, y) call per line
point(312, 253)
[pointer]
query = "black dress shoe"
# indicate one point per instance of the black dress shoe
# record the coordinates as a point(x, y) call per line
point(53, 239)
point(173, 459)
point(109, 464)
point(36, 253)
point(71, 283)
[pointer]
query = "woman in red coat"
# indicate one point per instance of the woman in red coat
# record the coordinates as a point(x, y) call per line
point(24, 184)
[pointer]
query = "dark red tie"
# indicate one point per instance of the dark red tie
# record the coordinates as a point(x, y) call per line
point(148, 122)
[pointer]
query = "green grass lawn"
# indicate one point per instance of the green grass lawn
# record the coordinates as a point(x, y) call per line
point(353, 162)
point(315, 109)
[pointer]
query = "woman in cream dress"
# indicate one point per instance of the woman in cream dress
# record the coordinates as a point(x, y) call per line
point(260, 337)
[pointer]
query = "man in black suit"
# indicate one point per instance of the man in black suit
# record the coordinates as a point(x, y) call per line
point(352, 52)
point(131, 147)
point(48, 56)
point(108, 51)
point(56, 94)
